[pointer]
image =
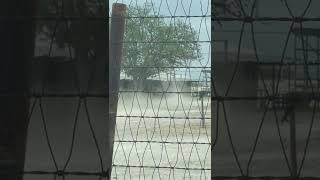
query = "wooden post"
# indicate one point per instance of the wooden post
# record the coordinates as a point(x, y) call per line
point(115, 56)
point(16, 51)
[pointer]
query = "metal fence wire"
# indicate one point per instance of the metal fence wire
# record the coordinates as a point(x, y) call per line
point(67, 130)
point(163, 121)
point(265, 89)
point(67, 133)
point(164, 107)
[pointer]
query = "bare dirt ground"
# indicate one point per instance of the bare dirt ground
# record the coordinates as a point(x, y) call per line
point(164, 133)
point(176, 142)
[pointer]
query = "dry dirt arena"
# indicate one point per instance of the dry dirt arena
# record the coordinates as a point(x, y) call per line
point(154, 145)
point(145, 147)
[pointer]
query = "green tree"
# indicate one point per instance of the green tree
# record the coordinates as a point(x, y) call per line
point(156, 43)
point(149, 42)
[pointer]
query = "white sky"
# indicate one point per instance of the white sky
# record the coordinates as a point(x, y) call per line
point(184, 8)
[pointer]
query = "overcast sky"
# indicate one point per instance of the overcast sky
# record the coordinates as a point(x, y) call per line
point(184, 8)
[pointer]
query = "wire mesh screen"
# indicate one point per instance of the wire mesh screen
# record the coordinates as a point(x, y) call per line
point(164, 106)
point(265, 89)
point(68, 129)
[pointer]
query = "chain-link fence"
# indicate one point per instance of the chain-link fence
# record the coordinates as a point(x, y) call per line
point(164, 107)
point(265, 89)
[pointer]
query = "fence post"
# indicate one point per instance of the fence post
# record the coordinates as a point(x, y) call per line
point(202, 94)
point(115, 56)
point(293, 142)
point(16, 51)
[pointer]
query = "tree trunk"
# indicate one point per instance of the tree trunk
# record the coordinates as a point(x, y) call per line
point(16, 48)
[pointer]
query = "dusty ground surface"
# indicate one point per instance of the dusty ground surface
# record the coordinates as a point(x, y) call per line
point(188, 153)
point(268, 159)
point(185, 154)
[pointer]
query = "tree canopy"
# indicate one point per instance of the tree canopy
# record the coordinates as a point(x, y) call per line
point(156, 43)
point(153, 45)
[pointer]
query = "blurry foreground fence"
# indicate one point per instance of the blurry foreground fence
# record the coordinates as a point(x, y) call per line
point(266, 90)
point(55, 121)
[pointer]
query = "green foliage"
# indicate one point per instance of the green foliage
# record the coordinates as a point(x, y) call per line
point(154, 42)
point(150, 42)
